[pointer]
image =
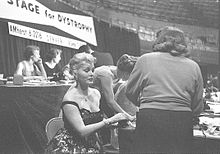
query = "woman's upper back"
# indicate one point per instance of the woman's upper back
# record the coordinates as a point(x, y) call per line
point(161, 77)
point(166, 73)
point(163, 66)
point(100, 73)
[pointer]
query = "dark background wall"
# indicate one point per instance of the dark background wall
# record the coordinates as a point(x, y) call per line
point(110, 39)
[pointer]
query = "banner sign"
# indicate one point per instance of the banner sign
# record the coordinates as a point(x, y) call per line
point(32, 11)
point(38, 35)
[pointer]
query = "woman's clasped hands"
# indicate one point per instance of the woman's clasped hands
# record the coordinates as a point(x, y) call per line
point(114, 119)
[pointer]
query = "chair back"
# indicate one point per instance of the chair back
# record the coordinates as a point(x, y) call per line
point(52, 126)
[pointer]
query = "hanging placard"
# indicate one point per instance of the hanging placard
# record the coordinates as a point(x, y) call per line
point(32, 11)
point(39, 35)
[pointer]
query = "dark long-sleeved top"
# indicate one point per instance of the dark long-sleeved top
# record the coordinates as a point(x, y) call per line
point(52, 71)
point(162, 81)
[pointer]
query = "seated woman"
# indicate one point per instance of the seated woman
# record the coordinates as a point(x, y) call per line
point(81, 113)
point(125, 66)
point(31, 68)
point(51, 65)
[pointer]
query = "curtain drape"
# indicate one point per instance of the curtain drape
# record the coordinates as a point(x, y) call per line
point(116, 40)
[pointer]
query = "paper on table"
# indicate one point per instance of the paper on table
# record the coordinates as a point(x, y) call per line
point(213, 125)
point(215, 107)
point(37, 82)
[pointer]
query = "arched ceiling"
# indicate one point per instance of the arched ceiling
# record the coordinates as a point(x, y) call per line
point(191, 12)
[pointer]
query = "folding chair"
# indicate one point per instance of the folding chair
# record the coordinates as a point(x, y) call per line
point(52, 126)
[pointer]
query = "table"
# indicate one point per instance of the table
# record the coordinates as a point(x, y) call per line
point(201, 143)
point(24, 112)
point(204, 142)
point(125, 139)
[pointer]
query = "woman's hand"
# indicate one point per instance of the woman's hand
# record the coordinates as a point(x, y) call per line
point(39, 61)
point(131, 118)
point(118, 117)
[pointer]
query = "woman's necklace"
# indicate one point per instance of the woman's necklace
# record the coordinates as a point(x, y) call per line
point(85, 95)
point(85, 98)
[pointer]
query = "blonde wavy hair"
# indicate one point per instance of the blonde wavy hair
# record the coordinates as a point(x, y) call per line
point(79, 59)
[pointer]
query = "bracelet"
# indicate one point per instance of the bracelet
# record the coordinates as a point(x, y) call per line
point(106, 122)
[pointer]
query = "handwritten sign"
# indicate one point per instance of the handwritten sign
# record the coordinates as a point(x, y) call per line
point(32, 11)
point(38, 35)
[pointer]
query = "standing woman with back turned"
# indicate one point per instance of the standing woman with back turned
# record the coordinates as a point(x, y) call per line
point(169, 87)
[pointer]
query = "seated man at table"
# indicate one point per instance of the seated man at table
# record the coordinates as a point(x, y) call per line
point(31, 68)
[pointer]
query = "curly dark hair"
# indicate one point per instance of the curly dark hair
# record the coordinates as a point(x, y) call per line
point(126, 63)
point(52, 53)
point(29, 51)
point(84, 48)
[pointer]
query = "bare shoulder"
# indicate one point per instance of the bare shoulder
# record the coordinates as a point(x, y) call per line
point(69, 94)
point(94, 91)
point(21, 64)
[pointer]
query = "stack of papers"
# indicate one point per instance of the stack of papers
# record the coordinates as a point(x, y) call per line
point(214, 106)
point(212, 125)
point(38, 82)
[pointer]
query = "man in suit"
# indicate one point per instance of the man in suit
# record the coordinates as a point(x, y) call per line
point(103, 58)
